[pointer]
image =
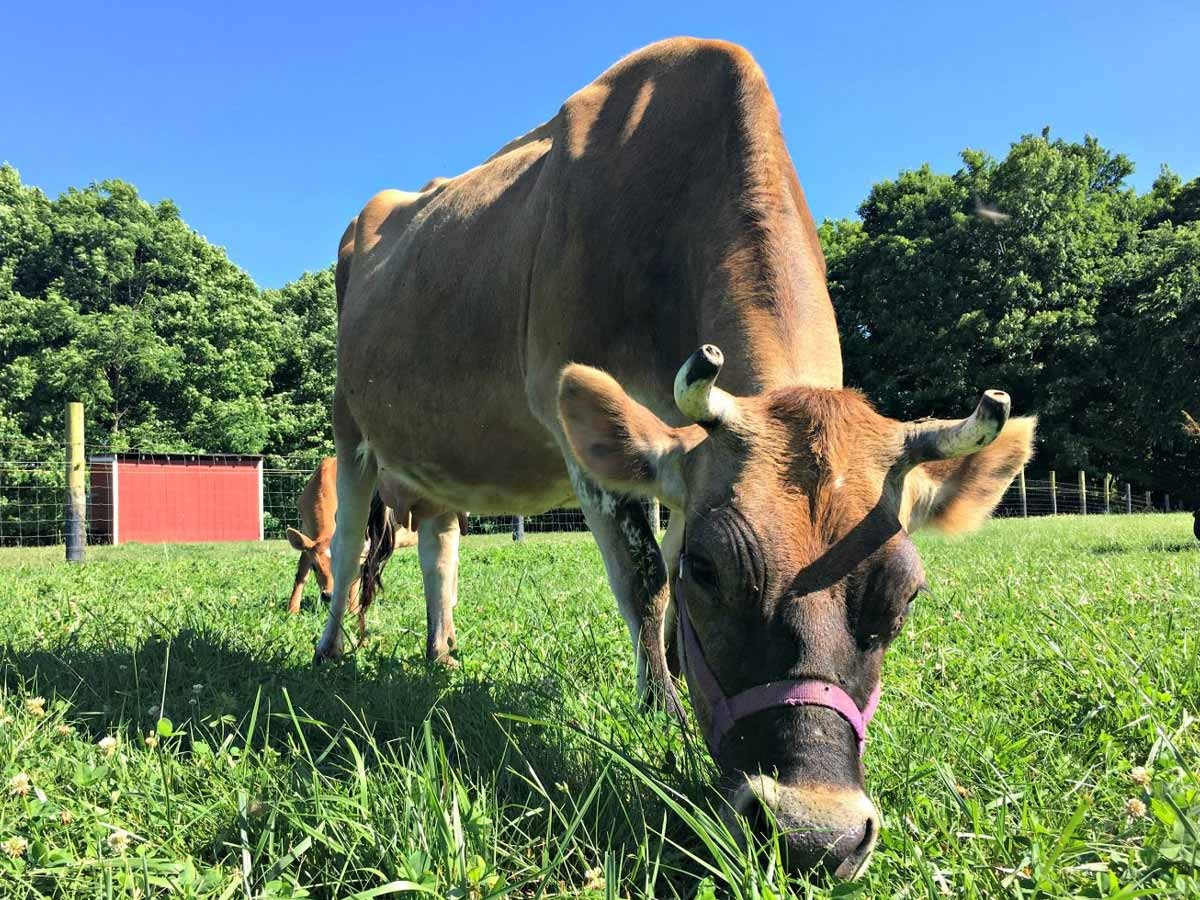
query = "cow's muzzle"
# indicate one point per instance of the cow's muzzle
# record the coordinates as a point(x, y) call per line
point(820, 828)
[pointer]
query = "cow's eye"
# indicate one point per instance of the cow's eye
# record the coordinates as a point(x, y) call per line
point(702, 572)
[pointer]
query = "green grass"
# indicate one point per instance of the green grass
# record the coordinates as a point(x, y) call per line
point(1053, 658)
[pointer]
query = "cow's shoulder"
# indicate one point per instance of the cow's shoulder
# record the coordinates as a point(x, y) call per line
point(692, 81)
point(385, 213)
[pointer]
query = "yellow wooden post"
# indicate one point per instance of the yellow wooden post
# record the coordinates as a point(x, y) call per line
point(1053, 495)
point(655, 516)
point(1082, 493)
point(1108, 479)
point(76, 506)
point(1024, 500)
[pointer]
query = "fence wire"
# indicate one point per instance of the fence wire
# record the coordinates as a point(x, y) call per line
point(33, 482)
point(32, 495)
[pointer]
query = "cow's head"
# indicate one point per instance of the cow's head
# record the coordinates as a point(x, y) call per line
point(797, 567)
point(318, 554)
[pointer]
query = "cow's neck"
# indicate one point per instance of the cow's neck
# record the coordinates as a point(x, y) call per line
point(764, 298)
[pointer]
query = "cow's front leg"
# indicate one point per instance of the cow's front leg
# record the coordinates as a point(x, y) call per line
point(638, 577)
point(302, 569)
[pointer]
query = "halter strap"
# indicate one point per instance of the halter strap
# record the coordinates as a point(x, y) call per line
point(725, 711)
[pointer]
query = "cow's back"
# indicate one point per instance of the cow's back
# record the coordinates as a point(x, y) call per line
point(581, 241)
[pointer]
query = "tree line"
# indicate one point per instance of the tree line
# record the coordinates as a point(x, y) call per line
point(110, 300)
point(1043, 273)
point(1046, 275)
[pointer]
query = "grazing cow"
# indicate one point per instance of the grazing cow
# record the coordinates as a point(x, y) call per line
point(511, 340)
point(317, 507)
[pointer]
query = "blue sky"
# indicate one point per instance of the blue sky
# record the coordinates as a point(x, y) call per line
point(269, 124)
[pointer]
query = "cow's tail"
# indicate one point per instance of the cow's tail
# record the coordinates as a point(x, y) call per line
point(381, 542)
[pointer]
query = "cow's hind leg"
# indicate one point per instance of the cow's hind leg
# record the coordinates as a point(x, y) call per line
point(638, 577)
point(437, 547)
point(355, 481)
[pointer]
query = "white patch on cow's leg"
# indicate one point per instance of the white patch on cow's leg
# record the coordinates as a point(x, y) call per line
point(437, 547)
point(672, 547)
point(637, 576)
point(354, 486)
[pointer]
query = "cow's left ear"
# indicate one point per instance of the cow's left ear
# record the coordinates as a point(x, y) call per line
point(956, 495)
point(618, 442)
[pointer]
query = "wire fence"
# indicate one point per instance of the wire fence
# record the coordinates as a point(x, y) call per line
point(33, 485)
point(32, 494)
point(1041, 497)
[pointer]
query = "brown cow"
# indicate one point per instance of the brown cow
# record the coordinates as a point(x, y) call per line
point(511, 340)
point(317, 507)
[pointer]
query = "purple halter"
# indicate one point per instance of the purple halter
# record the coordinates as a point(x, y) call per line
point(726, 711)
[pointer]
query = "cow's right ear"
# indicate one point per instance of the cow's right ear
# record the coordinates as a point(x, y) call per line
point(298, 540)
point(618, 442)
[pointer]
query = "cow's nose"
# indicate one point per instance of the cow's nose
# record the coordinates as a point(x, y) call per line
point(820, 828)
point(326, 597)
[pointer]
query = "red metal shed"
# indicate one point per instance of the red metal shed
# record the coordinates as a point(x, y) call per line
point(175, 497)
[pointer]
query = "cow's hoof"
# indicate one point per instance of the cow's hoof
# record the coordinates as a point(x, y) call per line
point(661, 694)
point(326, 654)
point(674, 707)
point(444, 661)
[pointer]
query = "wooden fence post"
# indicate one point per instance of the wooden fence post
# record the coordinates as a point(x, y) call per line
point(1082, 493)
point(1107, 487)
point(1128, 498)
point(656, 516)
point(76, 501)
point(518, 528)
point(1166, 503)
point(1149, 504)
point(1024, 501)
point(1053, 495)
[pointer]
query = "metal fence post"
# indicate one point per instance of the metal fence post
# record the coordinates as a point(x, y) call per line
point(1053, 495)
point(1082, 493)
point(1024, 499)
point(76, 505)
point(518, 528)
point(1128, 498)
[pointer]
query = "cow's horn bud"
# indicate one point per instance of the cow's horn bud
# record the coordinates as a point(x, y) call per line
point(939, 439)
point(695, 393)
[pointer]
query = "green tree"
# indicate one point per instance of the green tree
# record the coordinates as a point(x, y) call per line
point(118, 303)
point(1151, 328)
point(302, 383)
point(992, 276)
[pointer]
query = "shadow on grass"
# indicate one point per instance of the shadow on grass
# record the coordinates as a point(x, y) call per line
point(1115, 549)
point(209, 686)
point(196, 677)
point(1175, 547)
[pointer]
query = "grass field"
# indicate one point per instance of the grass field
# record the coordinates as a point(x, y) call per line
point(1054, 658)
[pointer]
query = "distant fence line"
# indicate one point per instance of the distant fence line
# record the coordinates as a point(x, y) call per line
point(33, 491)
